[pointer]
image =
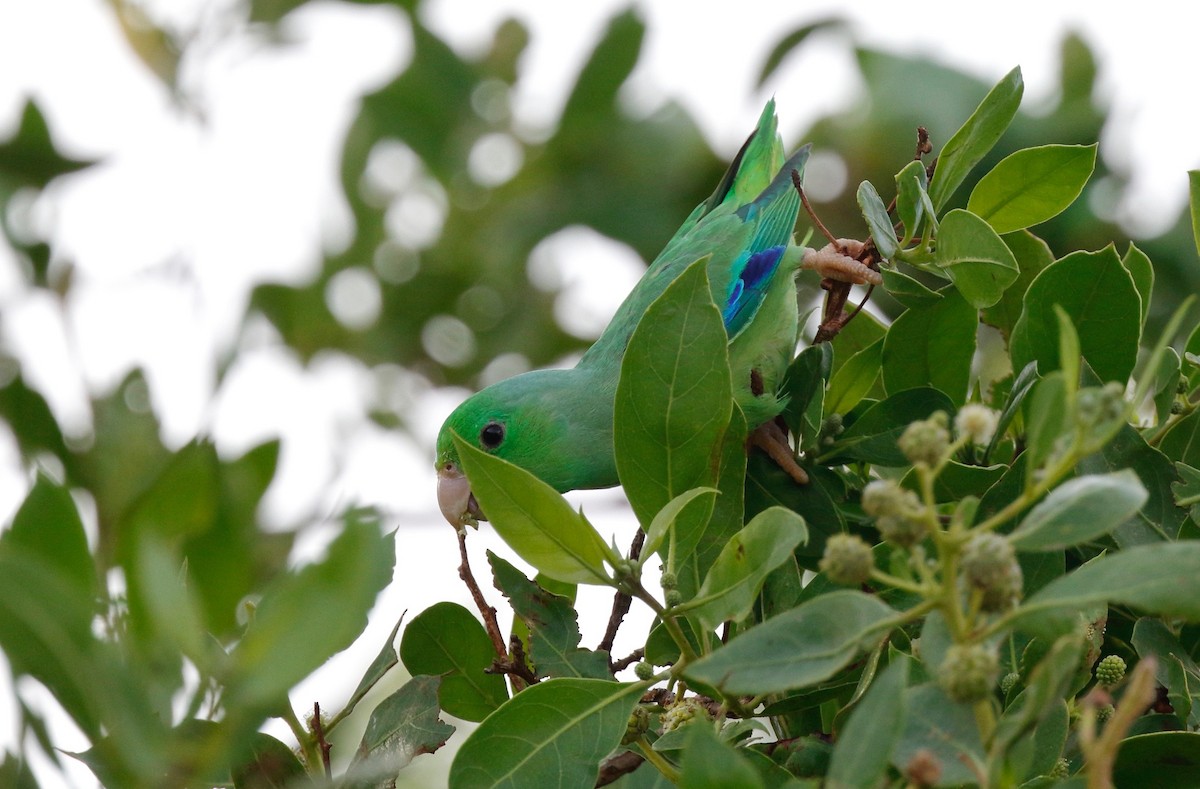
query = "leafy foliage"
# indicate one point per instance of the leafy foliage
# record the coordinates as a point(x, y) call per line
point(1059, 528)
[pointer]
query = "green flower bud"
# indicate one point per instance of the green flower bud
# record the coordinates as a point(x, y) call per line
point(976, 421)
point(673, 597)
point(1176, 407)
point(989, 563)
point(1104, 713)
point(1060, 770)
point(682, 712)
point(669, 580)
point(926, 441)
point(643, 670)
point(968, 672)
point(639, 724)
point(847, 560)
point(1009, 681)
point(1110, 670)
point(897, 511)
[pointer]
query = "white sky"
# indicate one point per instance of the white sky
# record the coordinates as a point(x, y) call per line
point(186, 213)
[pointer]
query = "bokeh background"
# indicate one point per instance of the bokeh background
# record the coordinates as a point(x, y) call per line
point(299, 232)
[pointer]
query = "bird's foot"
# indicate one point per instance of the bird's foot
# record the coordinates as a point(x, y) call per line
point(770, 438)
point(838, 261)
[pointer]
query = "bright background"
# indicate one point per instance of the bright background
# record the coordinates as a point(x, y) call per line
point(199, 197)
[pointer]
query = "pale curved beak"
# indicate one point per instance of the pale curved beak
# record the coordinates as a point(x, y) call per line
point(455, 499)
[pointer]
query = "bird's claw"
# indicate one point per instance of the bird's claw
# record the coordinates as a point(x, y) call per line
point(838, 262)
point(771, 439)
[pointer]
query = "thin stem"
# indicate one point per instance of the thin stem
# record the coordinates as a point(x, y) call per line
point(308, 746)
point(658, 760)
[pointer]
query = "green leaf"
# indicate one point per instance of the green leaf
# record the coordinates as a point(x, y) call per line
point(403, 726)
point(977, 260)
point(945, 728)
point(1079, 510)
point(1021, 385)
point(878, 221)
point(1032, 185)
point(1098, 294)
point(733, 581)
point(797, 648)
point(932, 346)
point(908, 291)
point(1138, 264)
point(866, 743)
point(1176, 669)
point(710, 763)
point(854, 379)
point(553, 626)
point(447, 640)
point(1159, 578)
point(48, 525)
point(554, 733)
point(1032, 255)
point(1181, 442)
point(976, 137)
point(1194, 203)
point(872, 437)
point(534, 519)
point(1048, 416)
point(271, 764)
point(664, 520)
point(1047, 683)
point(911, 183)
point(768, 485)
point(674, 396)
point(1187, 490)
point(384, 662)
point(296, 627)
point(171, 604)
point(1172, 757)
point(804, 385)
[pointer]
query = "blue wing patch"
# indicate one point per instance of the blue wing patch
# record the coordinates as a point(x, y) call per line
point(747, 291)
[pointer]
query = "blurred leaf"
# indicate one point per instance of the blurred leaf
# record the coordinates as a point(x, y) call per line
point(297, 626)
point(534, 519)
point(553, 626)
point(932, 346)
point(1181, 442)
point(403, 726)
point(945, 728)
point(1194, 203)
point(32, 423)
point(1172, 757)
point(447, 640)
point(29, 157)
point(1105, 313)
point(976, 137)
point(1159, 519)
point(1030, 186)
point(552, 734)
point(710, 763)
point(47, 525)
point(272, 765)
point(792, 41)
point(976, 259)
point(797, 648)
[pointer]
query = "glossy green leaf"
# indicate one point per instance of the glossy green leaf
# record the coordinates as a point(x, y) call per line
point(866, 743)
point(878, 221)
point(767, 485)
point(404, 725)
point(534, 519)
point(911, 184)
point(804, 385)
point(1080, 510)
point(977, 260)
point(798, 648)
point(932, 346)
point(733, 581)
point(872, 437)
point(553, 626)
point(976, 137)
point(1032, 185)
point(1021, 386)
point(1160, 578)
point(1138, 264)
point(447, 640)
point(664, 520)
point(674, 396)
point(295, 629)
point(908, 291)
point(1099, 296)
point(1032, 254)
point(554, 733)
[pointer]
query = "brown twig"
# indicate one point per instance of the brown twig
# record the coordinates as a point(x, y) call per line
point(808, 207)
point(488, 613)
point(621, 603)
point(614, 767)
point(628, 660)
point(319, 732)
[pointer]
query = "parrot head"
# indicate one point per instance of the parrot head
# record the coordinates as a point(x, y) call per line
point(555, 424)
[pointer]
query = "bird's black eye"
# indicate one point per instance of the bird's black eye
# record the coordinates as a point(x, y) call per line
point(491, 435)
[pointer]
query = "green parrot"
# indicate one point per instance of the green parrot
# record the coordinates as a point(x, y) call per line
point(558, 424)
